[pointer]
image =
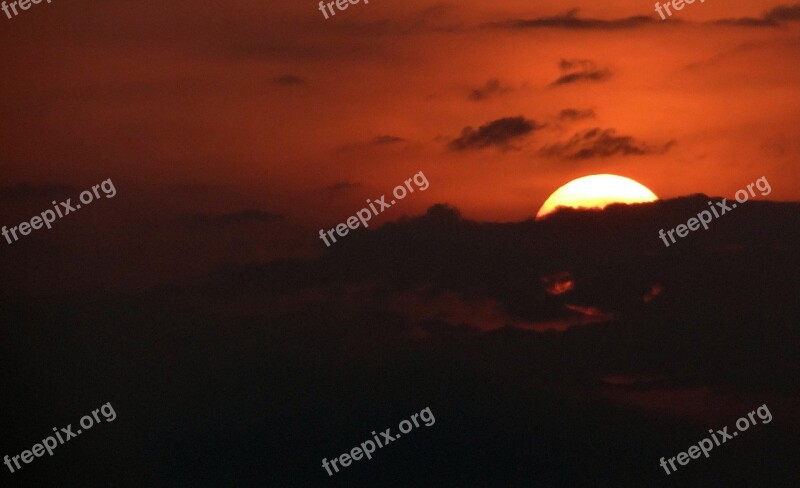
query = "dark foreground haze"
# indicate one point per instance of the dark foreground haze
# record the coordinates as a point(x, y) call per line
point(574, 351)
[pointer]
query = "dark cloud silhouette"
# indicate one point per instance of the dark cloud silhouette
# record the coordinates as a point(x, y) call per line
point(571, 21)
point(600, 75)
point(601, 143)
point(383, 140)
point(498, 133)
point(784, 13)
point(340, 188)
point(727, 54)
point(771, 18)
point(387, 139)
point(442, 253)
point(578, 70)
point(288, 80)
point(430, 311)
point(493, 87)
point(573, 114)
point(746, 22)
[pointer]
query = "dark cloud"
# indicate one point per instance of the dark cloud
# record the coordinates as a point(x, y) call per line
point(571, 21)
point(575, 114)
point(492, 87)
point(744, 47)
point(380, 140)
point(387, 139)
point(784, 13)
point(288, 80)
point(578, 70)
point(746, 22)
point(27, 191)
point(341, 187)
point(771, 18)
point(431, 311)
point(600, 75)
point(599, 143)
point(249, 216)
point(441, 252)
point(497, 133)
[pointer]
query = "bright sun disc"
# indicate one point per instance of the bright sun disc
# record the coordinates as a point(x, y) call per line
point(597, 191)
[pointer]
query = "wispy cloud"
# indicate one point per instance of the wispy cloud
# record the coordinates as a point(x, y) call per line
point(387, 139)
point(498, 133)
point(383, 140)
point(493, 87)
point(599, 75)
point(573, 114)
point(571, 21)
point(341, 188)
point(580, 70)
point(601, 143)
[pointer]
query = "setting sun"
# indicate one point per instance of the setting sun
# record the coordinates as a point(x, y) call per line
point(596, 191)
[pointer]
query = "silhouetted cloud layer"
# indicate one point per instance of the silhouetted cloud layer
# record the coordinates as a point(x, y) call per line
point(772, 18)
point(571, 21)
point(579, 326)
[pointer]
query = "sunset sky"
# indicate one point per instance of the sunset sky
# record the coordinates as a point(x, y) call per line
point(276, 122)
point(239, 350)
point(307, 117)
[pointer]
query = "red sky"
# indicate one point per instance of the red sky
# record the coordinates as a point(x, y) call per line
point(267, 105)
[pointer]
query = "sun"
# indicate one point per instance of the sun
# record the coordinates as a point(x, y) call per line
point(597, 191)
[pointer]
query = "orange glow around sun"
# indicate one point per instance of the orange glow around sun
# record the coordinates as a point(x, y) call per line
point(596, 191)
